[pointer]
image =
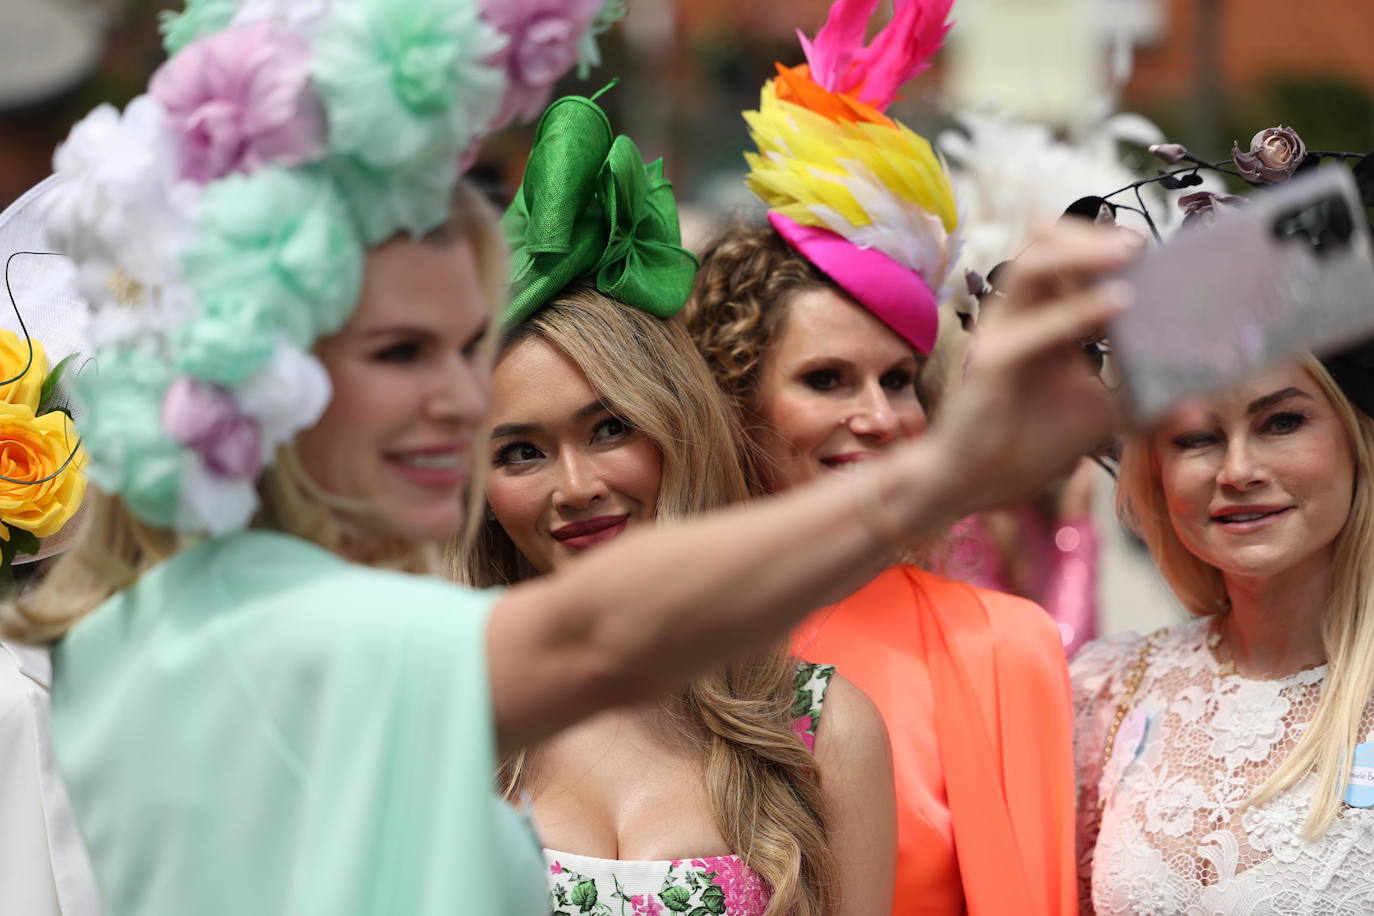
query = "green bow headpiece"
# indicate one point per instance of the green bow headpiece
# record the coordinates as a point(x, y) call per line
point(590, 208)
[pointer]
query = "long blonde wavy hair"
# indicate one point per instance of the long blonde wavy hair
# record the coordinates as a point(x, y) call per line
point(1327, 746)
point(114, 549)
point(763, 784)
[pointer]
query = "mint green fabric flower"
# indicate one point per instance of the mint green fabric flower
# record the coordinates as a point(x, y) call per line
point(406, 79)
point(198, 19)
point(231, 340)
point(414, 199)
point(283, 240)
point(121, 427)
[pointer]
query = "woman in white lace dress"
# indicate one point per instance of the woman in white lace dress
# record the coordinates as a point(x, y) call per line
point(1214, 756)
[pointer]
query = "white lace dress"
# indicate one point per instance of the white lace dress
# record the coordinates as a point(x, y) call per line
point(1174, 836)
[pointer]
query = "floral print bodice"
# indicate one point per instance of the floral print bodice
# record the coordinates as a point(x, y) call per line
point(711, 886)
point(1174, 835)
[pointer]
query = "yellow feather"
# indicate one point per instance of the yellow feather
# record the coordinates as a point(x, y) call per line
point(880, 184)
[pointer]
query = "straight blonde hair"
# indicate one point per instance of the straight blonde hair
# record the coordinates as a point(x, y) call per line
point(1327, 746)
point(763, 784)
point(114, 549)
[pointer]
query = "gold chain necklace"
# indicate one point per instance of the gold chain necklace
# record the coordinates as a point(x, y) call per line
point(1225, 668)
point(1134, 676)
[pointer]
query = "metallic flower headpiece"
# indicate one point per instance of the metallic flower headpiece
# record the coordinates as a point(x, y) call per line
point(859, 195)
point(1276, 154)
point(220, 223)
point(590, 209)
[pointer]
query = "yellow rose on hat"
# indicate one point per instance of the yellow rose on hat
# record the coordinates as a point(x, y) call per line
point(36, 449)
point(14, 361)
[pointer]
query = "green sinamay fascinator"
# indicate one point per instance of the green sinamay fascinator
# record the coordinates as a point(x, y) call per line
point(591, 209)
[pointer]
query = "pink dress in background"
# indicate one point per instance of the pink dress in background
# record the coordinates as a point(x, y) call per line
point(1062, 558)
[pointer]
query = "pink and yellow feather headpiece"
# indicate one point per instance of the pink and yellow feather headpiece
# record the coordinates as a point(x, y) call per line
point(858, 194)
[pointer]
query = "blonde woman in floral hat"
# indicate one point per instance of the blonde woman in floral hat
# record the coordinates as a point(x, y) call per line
point(263, 699)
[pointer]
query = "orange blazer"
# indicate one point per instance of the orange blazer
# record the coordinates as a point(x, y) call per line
point(975, 692)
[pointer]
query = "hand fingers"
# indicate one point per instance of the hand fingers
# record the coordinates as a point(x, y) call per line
point(1064, 258)
point(1015, 339)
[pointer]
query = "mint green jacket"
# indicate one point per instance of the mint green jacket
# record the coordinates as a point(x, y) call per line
point(259, 727)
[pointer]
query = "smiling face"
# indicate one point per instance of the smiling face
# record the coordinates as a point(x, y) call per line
point(410, 373)
point(1258, 481)
point(566, 474)
point(836, 388)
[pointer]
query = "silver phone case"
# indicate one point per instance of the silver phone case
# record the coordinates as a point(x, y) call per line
point(1218, 304)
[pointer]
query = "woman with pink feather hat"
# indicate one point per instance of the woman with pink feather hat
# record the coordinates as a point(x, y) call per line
point(817, 325)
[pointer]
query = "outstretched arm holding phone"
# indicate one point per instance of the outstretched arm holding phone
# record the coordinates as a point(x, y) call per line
point(595, 635)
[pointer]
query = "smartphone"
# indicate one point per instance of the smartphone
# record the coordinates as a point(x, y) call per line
point(1290, 272)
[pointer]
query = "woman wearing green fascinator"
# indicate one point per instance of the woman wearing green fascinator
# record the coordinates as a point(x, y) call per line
point(604, 420)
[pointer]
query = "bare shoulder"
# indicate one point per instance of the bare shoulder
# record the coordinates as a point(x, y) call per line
point(851, 728)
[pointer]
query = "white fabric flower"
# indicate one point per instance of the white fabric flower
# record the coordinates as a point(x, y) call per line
point(120, 213)
point(1276, 827)
point(1172, 805)
point(213, 502)
point(1248, 721)
point(305, 16)
point(119, 208)
point(1151, 880)
point(143, 321)
point(287, 395)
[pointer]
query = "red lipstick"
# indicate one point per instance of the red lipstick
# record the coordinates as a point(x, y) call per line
point(590, 532)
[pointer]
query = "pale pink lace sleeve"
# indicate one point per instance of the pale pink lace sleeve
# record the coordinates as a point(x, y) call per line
point(1097, 674)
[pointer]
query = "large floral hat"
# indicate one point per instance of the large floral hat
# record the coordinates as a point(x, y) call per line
point(591, 210)
point(858, 194)
point(42, 481)
point(218, 225)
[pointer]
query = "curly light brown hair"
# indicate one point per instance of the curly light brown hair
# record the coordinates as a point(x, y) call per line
point(736, 313)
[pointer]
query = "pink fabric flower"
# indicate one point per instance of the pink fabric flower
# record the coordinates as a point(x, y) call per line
point(241, 99)
point(208, 421)
point(556, 869)
point(543, 37)
point(645, 905)
point(802, 726)
point(744, 889)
